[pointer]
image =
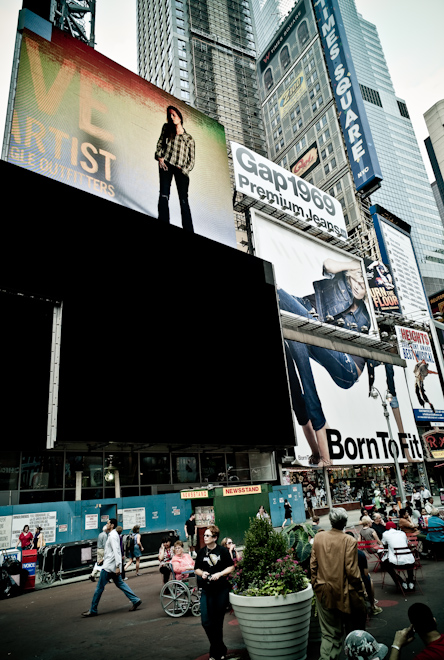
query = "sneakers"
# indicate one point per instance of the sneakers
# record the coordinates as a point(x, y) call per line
point(411, 585)
point(88, 613)
point(376, 610)
point(92, 578)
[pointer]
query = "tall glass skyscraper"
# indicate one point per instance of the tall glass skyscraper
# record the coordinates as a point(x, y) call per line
point(268, 15)
point(203, 51)
point(405, 190)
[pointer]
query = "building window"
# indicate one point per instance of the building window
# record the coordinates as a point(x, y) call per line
point(185, 95)
point(268, 78)
point(403, 110)
point(317, 104)
point(325, 153)
point(303, 34)
point(371, 95)
point(285, 57)
point(321, 123)
point(330, 166)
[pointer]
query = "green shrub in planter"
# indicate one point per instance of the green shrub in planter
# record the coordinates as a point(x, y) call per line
point(267, 567)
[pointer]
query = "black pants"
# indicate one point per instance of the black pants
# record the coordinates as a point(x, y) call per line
point(213, 606)
point(394, 575)
point(182, 185)
point(166, 572)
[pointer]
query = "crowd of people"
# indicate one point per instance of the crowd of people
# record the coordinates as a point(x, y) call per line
point(338, 569)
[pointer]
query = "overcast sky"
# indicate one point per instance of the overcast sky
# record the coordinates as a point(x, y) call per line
point(410, 33)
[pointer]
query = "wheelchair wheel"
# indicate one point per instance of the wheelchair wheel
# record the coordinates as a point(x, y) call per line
point(175, 598)
point(195, 608)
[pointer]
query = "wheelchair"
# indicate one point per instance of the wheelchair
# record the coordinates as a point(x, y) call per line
point(178, 597)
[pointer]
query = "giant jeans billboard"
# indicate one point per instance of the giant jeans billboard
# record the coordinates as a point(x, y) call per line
point(338, 422)
point(82, 119)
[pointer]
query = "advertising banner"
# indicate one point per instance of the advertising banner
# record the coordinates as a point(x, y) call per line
point(397, 251)
point(47, 520)
point(292, 94)
point(337, 421)
point(307, 162)
point(382, 287)
point(81, 119)
point(437, 303)
point(351, 110)
point(434, 443)
point(422, 375)
point(267, 182)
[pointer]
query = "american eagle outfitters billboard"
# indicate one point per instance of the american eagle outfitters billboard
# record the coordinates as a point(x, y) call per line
point(83, 120)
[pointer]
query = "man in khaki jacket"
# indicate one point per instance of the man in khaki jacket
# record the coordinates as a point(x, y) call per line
point(337, 583)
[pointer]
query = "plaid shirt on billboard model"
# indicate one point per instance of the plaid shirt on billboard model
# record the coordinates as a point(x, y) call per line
point(178, 152)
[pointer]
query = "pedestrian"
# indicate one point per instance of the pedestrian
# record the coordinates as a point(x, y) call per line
point(337, 583)
point(262, 513)
point(119, 530)
point(360, 645)
point(181, 561)
point(39, 540)
point(416, 499)
point(425, 494)
point(190, 533)
point(165, 556)
point(378, 525)
point(396, 539)
point(101, 542)
point(315, 523)
point(112, 561)
point(227, 542)
point(429, 505)
point(137, 550)
point(25, 539)
point(424, 623)
point(366, 579)
point(288, 513)
point(213, 565)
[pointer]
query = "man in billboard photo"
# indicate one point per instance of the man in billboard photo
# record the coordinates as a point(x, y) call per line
point(175, 153)
point(421, 371)
point(341, 295)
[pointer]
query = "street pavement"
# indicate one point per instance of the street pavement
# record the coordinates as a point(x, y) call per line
point(47, 623)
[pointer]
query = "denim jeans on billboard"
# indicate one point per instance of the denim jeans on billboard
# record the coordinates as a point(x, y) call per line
point(182, 184)
point(106, 577)
point(341, 366)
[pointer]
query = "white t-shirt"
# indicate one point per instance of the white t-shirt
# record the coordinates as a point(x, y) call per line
point(394, 538)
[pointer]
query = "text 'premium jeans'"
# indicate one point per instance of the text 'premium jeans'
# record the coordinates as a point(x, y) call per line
point(341, 366)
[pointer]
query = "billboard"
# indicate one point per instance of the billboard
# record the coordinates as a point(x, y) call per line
point(307, 162)
point(437, 303)
point(337, 422)
point(351, 110)
point(81, 119)
point(260, 178)
point(277, 63)
point(422, 374)
point(382, 287)
point(397, 251)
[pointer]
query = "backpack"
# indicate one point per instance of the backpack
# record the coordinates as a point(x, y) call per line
point(129, 543)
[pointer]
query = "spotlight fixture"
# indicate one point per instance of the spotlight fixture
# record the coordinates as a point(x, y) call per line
point(384, 335)
point(341, 323)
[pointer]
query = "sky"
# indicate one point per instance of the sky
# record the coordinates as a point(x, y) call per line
point(410, 33)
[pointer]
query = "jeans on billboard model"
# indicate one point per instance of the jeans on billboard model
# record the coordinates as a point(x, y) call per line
point(175, 153)
point(341, 295)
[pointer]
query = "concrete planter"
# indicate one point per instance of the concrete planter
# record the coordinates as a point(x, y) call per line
point(274, 627)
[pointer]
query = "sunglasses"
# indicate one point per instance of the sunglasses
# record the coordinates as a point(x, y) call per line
point(208, 535)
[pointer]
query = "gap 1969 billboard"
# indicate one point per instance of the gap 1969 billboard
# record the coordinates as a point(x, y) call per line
point(82, 119)
point(339, 416)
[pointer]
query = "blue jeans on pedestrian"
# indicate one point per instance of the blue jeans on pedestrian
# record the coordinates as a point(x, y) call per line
point(106, 577)
point(341, 366)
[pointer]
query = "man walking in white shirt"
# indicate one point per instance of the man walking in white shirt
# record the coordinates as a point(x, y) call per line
point(111, 571)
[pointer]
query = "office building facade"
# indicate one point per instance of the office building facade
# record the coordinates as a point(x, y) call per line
point(268, 16)
point(301, 121)
point(304, 132)
point(434, 119)
point(405, 190)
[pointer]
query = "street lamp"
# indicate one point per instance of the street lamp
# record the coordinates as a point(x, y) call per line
point(374, 392)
